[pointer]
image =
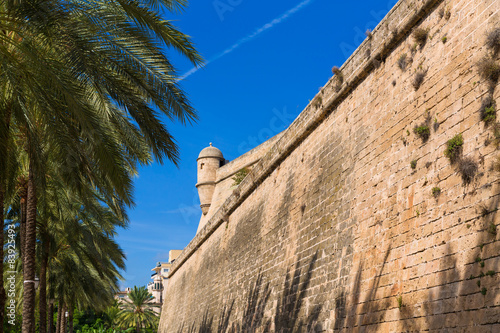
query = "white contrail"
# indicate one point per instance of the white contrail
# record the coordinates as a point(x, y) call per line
point(248, 38)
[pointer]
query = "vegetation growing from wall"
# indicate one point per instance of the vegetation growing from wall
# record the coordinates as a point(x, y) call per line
point(423, 132)
point(338, 77)
point(317, 101)
point(445, 12)
point(468, 169)
point(493, 40)
point(488, 110)
point(420, 36)
point(454, 148)
point(418, 77)
point(436, 191)
point(402, 61)
point(488, 69)
point(240, 175)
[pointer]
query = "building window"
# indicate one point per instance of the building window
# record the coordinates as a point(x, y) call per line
point(201, 165)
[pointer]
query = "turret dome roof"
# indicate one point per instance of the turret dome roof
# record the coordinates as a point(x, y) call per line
point(211, 151)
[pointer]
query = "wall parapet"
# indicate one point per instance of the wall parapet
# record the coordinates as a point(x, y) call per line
point(248, 159)
point(397, 24)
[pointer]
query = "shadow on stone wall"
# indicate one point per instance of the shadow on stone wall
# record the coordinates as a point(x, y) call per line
point(346, 316)
point(290, 303)
point(449, 304)
point(286, 317)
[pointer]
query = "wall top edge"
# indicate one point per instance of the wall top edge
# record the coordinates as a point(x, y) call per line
point(402, 18)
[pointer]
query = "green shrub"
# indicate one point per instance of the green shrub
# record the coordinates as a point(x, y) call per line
point(488, 111)
point(413, 164)
point(492, 229)
point(436, 191)
point(454, 148)
point(423, 132)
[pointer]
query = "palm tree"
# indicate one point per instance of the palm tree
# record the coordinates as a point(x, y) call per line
point(83, 259)
point(88, 77)
point(111, 313)
point(138, 311)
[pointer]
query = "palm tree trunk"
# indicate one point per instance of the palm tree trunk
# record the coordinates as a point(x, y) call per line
point(64, 319)
point(4, 138)
point(29, 293)
point(42, 305)
point(59, 316)
point(2, 290)
point(70, 319)
point(51, 318)
point(23, 194)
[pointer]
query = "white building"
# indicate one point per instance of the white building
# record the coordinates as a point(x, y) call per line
point(160, 277)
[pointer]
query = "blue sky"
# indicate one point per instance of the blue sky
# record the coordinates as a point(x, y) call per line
point(265, 61)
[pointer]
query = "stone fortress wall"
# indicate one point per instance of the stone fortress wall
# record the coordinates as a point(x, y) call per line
point(333, 229)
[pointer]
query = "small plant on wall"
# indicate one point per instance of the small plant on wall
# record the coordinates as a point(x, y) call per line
point(468, 169)
point(496, 164)
point(402, 61)
point(444, 12)
point(436, 191)
point(400, 301)
point(240, 175)
point(489, 70)
point(423, 131)
point(317, 102)
point(496, 134)
point(493, 40)
point(413, 164)
point(488, 110)
point(418, 77)
point(454, 148)
point(436, 124)
point(339, 78)
point(420, 36)
point(492, 229)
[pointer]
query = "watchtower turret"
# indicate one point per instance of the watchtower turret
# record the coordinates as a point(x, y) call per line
point(209, 160)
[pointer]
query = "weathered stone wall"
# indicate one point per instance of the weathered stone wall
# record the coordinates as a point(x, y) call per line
point(333, 229)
